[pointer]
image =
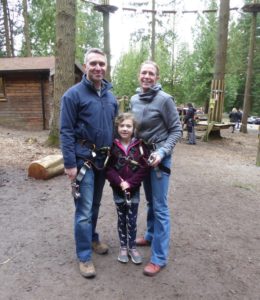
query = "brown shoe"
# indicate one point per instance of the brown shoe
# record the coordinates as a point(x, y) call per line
point(142, 242)
point(152, 269)
point(87, 269)
point(100, 248)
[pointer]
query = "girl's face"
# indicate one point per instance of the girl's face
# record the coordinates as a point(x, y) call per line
point(126, 130)
point(147, 77)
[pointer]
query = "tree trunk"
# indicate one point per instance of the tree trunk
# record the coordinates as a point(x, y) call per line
point(217, 85)
point(220, 61)
point(107, 43)
point(6, 26)
point(247, 99)
point(11, 32)
point(65, 60)
point(26, 30)
point(153, 31)
point(222, 37)
point(258, 149)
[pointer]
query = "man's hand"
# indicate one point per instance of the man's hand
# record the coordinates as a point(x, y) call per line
point(71, 173)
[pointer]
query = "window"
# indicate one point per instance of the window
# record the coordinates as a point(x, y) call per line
point(2, 89)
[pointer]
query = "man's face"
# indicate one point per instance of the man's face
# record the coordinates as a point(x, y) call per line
point(95, 67)
point(147, 77)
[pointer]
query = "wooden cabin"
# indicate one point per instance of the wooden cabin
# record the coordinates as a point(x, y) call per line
point(26, 91)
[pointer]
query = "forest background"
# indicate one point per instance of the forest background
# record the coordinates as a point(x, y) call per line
point(186, 72)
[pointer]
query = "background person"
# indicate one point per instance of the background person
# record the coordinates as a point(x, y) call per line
point(233, 117)
point(88, 110)
point(159, 125)
point(126, 169)
point(189, 120)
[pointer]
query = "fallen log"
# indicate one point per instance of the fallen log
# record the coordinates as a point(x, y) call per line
point(47, 167)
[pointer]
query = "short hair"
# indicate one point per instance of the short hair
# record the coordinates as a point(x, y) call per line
point(151, 62)
point(125, 116)
point(94, 50)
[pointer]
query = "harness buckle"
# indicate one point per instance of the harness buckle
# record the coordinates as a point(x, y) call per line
point(127, 198)
point(75, 189)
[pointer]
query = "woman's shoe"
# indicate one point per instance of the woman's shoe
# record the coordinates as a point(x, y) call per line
point(122, 256)
point(135, 256)
point(152, 269)
point(142, 242)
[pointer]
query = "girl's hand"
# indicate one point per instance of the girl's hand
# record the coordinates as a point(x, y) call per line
point(124, 185)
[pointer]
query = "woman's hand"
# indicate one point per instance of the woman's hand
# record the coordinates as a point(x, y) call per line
point(154, 159)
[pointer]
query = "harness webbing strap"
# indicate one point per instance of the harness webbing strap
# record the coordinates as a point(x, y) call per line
point(164, 169)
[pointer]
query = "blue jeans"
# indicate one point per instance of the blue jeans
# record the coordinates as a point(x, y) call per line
point(86, 212)
point(158, 215)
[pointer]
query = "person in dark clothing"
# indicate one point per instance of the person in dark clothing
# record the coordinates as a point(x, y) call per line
point(189, 120)
point(126, 169)
point(87, 117)
point(233, 117)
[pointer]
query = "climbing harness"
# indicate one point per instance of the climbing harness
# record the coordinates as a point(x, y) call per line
point(127, 197)
point(152, 148)
point(88, 164)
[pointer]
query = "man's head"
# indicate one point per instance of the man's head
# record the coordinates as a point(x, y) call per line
point(95, 64)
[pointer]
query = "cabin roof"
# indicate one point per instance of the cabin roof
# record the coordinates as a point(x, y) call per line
point(32, 63)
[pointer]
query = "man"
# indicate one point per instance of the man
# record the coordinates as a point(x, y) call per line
point(88, 110)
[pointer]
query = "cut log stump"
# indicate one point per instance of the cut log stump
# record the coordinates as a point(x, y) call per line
point(47, 167)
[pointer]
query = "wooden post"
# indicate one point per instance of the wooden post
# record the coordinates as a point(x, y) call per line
point(217, 84)
point(105, 9)
point(258, 149)
point(253, 8)
point(153, 30)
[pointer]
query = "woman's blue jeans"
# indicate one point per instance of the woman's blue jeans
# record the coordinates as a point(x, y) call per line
point(158, 216)
point(86, 212)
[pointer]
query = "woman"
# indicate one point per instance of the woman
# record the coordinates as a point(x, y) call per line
point(160, 127)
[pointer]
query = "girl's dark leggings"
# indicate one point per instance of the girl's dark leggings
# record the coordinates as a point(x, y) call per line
point(126, 224)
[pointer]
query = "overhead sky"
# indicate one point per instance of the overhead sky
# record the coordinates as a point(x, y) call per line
point(123, 23)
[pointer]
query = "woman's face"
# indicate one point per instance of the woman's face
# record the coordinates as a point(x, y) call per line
point(147, 76)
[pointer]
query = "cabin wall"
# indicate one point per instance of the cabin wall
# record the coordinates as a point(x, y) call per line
point(23, 108)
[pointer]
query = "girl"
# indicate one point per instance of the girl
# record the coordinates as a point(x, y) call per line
point(126, 169)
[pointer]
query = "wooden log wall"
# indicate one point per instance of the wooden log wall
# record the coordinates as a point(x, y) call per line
point(23, 106)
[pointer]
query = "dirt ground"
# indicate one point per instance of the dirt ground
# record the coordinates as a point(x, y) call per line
point(215, 237)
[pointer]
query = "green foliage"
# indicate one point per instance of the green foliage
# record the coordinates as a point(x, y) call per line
point(125, 74)
point(194, 70)
point(89, 29)
point(42, 27)
point(237, 65)
point(163, 58)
